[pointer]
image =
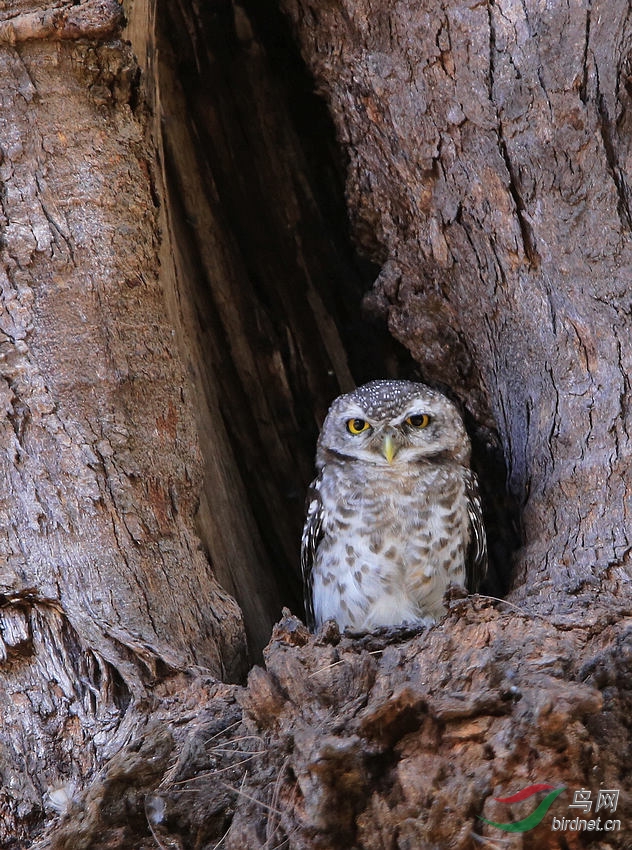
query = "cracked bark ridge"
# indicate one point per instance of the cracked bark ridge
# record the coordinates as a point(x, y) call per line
point(333, 744)
point(489, 161)
point(103, 584)
point(93, 19)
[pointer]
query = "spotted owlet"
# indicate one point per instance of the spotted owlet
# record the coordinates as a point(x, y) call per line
point(394, 515)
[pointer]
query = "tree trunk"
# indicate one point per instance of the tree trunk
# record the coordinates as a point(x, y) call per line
point(487, 154)
point(104, 587)
point(489, 149)
point(168, 354)
point(248, 243)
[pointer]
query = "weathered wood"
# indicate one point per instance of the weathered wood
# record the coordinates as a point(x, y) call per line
point(487, 149)
point(378, 743)
point(165, 366)
point(489, 155)
point(103, 585)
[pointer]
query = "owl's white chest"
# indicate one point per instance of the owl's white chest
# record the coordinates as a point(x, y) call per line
point(391, 545)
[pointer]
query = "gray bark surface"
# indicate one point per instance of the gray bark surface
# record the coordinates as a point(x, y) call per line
point(103, 584)
point(489, 161)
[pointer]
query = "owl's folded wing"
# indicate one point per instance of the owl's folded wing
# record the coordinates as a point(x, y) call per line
point(312, 535)
point(476, 561)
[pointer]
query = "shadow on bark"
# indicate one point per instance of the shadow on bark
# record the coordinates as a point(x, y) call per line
point(255, 181)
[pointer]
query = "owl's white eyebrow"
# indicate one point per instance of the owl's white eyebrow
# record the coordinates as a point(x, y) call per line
point(358, 413)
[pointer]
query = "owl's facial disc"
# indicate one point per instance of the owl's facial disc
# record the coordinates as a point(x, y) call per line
point(416, 434)
point(396, 441)
point(390, 424)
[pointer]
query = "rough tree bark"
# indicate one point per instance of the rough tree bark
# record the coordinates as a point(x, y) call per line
point(103, 584)
point(489, 150)
point(488, 154)
point(142, 317)
point(489, 158)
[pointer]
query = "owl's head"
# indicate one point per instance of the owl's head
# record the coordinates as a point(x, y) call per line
point(390, 423)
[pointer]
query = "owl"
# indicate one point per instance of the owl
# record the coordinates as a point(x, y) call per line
point(394, 515)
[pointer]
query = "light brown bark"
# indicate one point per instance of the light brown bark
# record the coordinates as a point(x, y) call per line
point(103, 584)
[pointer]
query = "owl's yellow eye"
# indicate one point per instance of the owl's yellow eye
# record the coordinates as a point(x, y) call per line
point(357, 426)
point(418, 420)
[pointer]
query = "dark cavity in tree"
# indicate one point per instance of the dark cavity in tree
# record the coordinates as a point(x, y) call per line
point(272, 183)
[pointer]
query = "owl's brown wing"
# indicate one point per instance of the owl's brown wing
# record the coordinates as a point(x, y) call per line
point(312, 535)
point(476, 561)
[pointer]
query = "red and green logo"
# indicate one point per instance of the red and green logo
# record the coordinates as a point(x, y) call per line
point(537, 815)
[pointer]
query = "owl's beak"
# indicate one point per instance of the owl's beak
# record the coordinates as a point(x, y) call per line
point(389, 448)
